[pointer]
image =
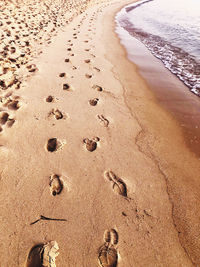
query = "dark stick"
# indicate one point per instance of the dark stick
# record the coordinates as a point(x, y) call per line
point(47, 219)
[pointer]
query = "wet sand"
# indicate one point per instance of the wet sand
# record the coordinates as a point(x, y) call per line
point(88, 169)
point(170, 92)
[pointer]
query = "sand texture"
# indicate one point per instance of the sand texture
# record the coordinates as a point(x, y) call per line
point(90, 175)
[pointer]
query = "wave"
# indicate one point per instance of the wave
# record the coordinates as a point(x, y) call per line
point(179, 62)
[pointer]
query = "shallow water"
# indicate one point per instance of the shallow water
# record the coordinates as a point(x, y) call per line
point(171, 31)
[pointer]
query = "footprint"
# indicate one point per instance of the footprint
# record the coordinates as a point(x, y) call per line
point(63, 74)
point(35, 256)
point(66, 86)
point(93, 102)
point(43, 255)
point(87, 60)
point(91, 145)
point(10, 122)
point(97, 87)
point(98, 70)
point(119, 186)
point(14, 105)
point(49, 98)
point(57, 114)
point(11, 102)
point(114, 237)
point(103, 120)
point(67, 60)
point(32, 68)
point(4, 117)
point(108, 256)
point(88, 76)
point(55, 184)
point(54, 144)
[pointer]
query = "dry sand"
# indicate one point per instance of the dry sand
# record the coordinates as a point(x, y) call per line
point(81, 143)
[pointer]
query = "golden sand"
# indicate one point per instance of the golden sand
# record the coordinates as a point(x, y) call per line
point(90, 174)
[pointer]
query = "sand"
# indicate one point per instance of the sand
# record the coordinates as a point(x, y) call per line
point(90, 174)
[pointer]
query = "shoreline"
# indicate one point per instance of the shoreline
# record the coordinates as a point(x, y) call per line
point(87, 147)
point(163, 155)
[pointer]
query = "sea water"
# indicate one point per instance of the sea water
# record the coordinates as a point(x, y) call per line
point(170, 29)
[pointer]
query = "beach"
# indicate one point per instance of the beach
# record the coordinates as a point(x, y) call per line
point(90, 174)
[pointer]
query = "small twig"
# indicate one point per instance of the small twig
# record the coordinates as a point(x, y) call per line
point(47, 219)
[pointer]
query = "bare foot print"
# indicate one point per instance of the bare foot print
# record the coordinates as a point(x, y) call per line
point(108, 256)
point(103, 120)
point(93, 102)
point(119, 186)
point(97, 87)
point(55, 184)
point(91, 145)
point(43, 255)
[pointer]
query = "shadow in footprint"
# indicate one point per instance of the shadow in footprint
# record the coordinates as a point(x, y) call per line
point(93, 102)
point(58, 115)
point(13, 105)
point(103, 120)
point(54, 144)
point(56, 185)
point(43, 255)
point(10, 123)
point(35, 256)
point(66, 86)
point(108, 256)
point(91, 145)
point(97, 69)
point(4, 117)
point(119, 186)
point(87, 60)
point(88, 76)
point(97, 87)
point(49, 99)
point(63, 74)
